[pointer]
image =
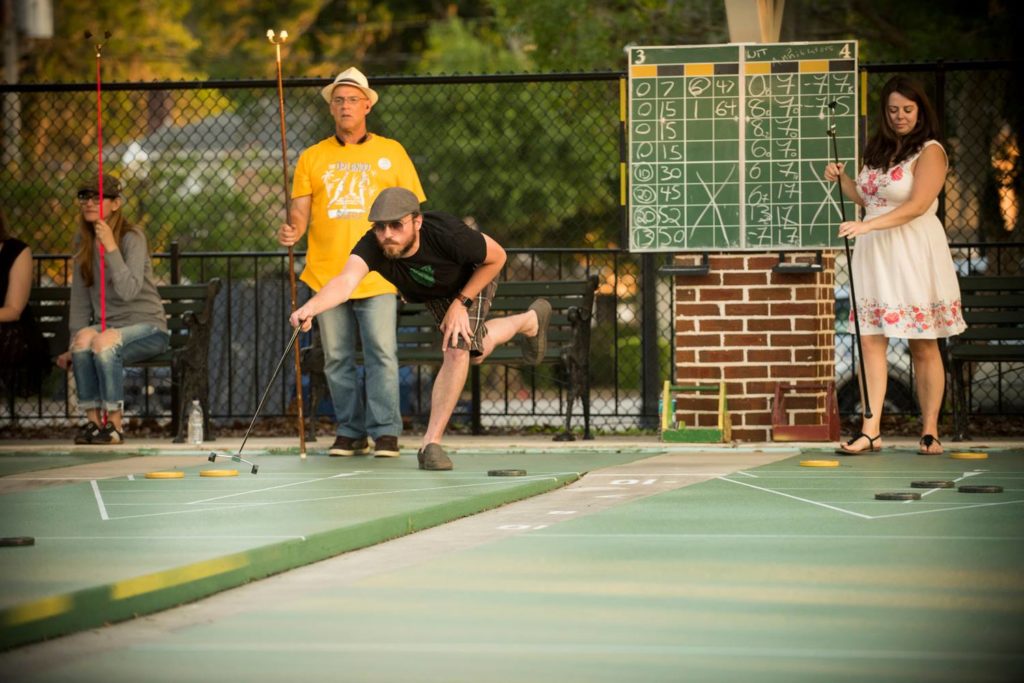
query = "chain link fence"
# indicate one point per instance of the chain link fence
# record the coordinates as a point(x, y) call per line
point(532, 159)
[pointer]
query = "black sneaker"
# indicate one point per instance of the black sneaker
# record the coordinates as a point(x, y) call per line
point(346, 446)
point(86, 432)
point(386, 447)
point(107, 436)
point(433, 457)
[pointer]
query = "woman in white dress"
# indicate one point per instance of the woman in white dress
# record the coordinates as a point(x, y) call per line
point(902, 270)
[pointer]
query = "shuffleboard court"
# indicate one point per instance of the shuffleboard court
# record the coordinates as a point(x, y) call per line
point(16, 463)
point(775, 573)
point(109, 549)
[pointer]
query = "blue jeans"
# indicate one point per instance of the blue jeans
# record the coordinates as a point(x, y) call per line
point(99, 376)
point(367, 406)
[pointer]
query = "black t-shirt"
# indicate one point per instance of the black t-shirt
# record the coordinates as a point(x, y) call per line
point(449, 252)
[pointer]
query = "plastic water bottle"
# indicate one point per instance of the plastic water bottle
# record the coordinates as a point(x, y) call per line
point(195, 423)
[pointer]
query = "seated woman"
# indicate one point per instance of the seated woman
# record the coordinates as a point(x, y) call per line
point(136, 325)
point(24, 357)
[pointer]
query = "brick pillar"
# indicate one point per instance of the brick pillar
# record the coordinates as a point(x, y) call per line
point(751, 327)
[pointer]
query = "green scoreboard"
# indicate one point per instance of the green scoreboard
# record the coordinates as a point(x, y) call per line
point(727, 144)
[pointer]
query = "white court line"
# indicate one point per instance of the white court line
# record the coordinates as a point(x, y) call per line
point(317, 500)
point(525, 648)
point(164, 538)
point(131, 477)
point(804, 500)
point(773, 537)
point(747, 474)
point(949, 509)
point(965, 475)
point(272, 488)
point(952, 506)
point(648, 475)
point(99, 500)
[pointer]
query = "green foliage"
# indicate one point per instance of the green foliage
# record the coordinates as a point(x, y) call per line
point(487, 150)
point(452, 47)
point(174, 39)
point(149, 41)
point(622, 365)
point(581, 35)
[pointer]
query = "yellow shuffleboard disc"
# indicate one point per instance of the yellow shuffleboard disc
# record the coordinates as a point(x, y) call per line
point(969, 455)
point(219, 473)
point(819, 463)
point(176, 474)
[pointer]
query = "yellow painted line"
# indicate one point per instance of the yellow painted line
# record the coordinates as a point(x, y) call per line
point(757, 68)
point(863, 92)
point(643, 70)
point(37, 610)
point(622, 99)
point(140, 585)
point(622, 183)
point(813, 66)
point(700, 70)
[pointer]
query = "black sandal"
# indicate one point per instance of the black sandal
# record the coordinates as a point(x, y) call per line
point(926, 442)
point(872, 448)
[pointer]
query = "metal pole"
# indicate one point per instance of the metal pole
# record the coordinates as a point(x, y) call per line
point(849, 260)
point(277, 39)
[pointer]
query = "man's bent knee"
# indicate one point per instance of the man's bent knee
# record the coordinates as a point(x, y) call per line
point(455, 356)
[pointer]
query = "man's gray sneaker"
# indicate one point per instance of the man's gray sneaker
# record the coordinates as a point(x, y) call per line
point(346, 445)
point(433, 457)
point(535, 347)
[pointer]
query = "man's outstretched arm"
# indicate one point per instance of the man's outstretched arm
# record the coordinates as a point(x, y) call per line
point(335, 292)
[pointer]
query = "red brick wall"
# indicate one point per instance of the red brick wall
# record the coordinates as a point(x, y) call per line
point(750, 327)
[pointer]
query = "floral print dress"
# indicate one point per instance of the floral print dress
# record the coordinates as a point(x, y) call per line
point(904, 276)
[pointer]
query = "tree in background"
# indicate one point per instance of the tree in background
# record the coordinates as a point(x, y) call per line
point(524, 159)
point(498, 151)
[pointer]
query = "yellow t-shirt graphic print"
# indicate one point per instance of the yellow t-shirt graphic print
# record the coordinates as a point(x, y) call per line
point(344, 181)
point(347, 190)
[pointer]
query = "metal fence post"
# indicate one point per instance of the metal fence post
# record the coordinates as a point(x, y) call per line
point(649, 338)
point(175, 263)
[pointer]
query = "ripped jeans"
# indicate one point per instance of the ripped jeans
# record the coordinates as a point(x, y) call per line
point(99, 375)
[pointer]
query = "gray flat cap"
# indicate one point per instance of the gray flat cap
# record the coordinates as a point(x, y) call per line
point(393, 204)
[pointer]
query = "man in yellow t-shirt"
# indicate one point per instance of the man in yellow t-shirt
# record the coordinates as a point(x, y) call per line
point(336, 181)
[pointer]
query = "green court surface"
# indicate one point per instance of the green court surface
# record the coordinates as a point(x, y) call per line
point(777, 573)
point(108, 549)
point(16, 463)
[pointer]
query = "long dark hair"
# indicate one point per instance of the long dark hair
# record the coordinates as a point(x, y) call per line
point(119, 225)
point(885, 148)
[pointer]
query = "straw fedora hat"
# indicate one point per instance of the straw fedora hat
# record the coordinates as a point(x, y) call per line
point(354, 77)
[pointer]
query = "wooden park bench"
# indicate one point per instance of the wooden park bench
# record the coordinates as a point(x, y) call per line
point(568, 349)
point(993, 307)
point(189, 319)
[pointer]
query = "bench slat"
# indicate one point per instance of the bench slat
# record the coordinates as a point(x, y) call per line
point(985, 283)
point(991, 352)
point(975, 317)
point(992, 300)
point(992, 333)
